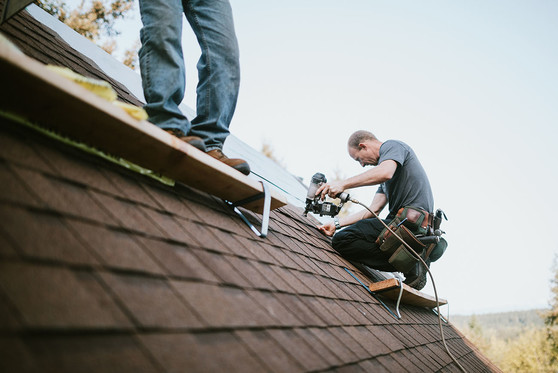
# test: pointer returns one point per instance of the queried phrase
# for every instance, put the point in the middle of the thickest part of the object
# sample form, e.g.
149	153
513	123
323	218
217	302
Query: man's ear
362	145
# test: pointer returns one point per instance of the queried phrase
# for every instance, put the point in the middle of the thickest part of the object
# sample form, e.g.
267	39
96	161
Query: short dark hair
360	136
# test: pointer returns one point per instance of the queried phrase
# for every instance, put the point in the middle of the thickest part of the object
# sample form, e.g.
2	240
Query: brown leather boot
195	141
236	163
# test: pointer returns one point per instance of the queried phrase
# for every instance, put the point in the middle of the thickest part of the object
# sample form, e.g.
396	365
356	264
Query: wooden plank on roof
390	289
31	90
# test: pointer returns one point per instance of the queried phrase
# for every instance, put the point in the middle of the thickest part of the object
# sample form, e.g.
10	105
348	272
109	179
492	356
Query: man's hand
332	189
327	229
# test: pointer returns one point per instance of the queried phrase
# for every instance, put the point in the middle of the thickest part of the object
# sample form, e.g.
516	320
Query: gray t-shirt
409	185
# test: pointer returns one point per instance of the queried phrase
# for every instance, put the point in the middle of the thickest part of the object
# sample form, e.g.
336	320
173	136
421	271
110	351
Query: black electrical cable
431	278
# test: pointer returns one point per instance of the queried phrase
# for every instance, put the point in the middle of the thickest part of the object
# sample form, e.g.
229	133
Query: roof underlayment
103	269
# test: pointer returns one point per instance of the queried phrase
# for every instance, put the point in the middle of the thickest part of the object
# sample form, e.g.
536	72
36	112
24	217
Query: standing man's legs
163	71
162	63
218	69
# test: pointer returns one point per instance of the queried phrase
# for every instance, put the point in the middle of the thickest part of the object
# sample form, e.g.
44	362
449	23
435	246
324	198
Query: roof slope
102	269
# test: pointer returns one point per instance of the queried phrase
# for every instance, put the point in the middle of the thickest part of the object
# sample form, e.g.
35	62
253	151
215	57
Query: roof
103	269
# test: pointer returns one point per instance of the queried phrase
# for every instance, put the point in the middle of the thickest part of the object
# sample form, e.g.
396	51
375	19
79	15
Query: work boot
195	141
416	278
236	163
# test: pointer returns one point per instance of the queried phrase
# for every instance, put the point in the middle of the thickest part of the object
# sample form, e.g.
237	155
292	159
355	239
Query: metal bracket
397	316
265	213
398	297
446	318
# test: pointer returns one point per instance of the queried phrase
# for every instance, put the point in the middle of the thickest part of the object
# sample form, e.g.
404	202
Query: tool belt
408	222
415	219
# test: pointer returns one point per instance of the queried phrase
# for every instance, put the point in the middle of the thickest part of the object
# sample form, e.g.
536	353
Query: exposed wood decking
390	289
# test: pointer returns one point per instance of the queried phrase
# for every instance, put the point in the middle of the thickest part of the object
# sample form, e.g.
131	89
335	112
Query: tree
551	317
529	352
95	20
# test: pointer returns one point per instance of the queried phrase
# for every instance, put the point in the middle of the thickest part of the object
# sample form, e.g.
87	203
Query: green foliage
518	341
528	350
94	19
551	317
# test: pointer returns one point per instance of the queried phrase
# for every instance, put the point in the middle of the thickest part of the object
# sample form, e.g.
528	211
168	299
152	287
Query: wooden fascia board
390	289
31	90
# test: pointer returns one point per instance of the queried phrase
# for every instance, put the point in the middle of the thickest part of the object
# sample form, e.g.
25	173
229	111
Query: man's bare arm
377	175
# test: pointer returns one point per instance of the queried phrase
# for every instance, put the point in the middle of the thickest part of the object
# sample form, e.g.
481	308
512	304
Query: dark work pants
357	243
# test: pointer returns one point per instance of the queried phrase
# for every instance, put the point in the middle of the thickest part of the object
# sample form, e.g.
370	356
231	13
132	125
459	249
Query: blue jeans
163	71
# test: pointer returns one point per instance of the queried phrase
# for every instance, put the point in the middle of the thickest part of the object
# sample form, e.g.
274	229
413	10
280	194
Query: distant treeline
530	318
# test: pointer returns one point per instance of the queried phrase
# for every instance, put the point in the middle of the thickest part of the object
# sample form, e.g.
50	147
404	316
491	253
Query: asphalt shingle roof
105	270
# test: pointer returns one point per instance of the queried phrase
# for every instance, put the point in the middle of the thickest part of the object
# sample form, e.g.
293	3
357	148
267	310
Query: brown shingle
407	358
203	237
207	352
222	306
291	278
127	184
171	202
151	302
116	249
50	238
316	283
391	364
65	163
9	316
269	272
253	250
275	358
298	348
128	215
329	340
300	308
63	197
369	341
223	269
178	260
248	270
282	314
209	216
386	337
348	340
15	149
15	357
12	190
7	249
58	298
89	353
338	312
319	314
328	356
171	227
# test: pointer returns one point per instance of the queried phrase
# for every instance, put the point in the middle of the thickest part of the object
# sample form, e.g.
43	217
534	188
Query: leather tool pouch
415	219
400	257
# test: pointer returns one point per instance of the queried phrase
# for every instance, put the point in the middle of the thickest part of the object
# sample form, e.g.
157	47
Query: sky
471	86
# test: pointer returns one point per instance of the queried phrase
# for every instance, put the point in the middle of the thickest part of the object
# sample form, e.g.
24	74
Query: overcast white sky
472	86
